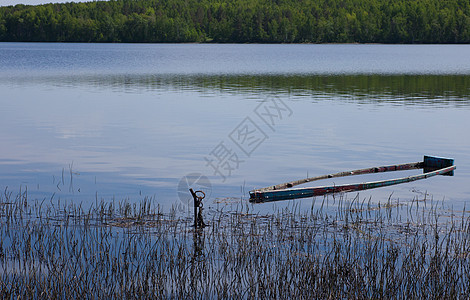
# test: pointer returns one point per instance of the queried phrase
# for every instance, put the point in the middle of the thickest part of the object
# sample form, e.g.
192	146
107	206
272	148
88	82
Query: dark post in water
198	220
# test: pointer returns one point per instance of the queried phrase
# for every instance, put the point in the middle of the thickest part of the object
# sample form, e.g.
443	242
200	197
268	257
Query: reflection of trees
399	89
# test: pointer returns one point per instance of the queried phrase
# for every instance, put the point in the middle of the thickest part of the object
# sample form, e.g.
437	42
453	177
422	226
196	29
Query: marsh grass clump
337	249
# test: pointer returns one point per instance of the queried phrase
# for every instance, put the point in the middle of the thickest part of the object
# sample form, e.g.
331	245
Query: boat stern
432	163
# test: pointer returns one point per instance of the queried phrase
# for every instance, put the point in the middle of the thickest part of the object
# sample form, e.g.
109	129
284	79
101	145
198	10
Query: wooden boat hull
432	166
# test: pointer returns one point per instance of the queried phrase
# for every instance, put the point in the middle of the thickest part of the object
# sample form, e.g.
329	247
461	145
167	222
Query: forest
240	21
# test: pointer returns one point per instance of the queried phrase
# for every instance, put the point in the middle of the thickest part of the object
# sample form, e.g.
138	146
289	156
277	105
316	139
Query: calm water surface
121	121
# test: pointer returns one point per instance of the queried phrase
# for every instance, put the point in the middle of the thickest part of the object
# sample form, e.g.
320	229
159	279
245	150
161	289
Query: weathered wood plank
401	167
435	165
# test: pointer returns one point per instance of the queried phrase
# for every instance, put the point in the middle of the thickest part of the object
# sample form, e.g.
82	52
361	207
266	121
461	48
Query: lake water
82	122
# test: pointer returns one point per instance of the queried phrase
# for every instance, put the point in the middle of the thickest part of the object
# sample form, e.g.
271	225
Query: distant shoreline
240	21
234	43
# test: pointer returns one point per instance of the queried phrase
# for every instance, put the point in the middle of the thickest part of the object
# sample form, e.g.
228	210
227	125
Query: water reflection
133	135
417	90
134	119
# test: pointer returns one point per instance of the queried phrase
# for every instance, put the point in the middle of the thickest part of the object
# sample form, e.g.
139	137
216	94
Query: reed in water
339	248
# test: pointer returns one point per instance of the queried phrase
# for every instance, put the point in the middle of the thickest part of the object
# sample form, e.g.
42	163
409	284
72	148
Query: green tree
276	21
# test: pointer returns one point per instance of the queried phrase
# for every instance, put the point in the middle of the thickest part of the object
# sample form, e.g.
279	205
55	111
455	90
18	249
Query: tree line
240	21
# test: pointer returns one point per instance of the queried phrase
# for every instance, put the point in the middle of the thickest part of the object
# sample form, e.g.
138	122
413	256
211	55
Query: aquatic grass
340	248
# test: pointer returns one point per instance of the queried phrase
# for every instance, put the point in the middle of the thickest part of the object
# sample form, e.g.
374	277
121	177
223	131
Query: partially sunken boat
431	166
